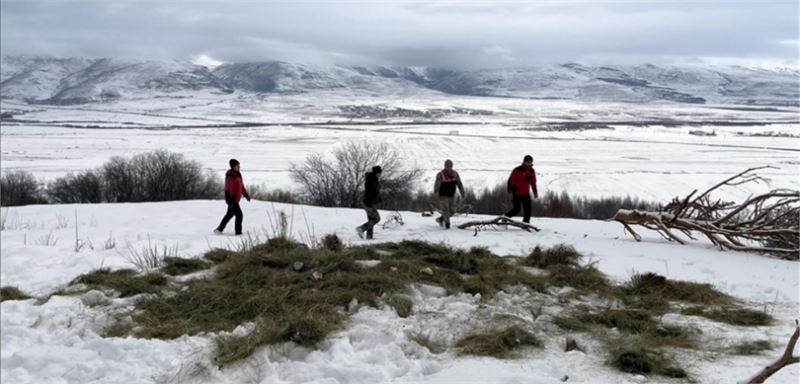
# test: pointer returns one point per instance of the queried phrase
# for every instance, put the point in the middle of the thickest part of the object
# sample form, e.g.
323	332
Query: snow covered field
58	342
642	150
656	161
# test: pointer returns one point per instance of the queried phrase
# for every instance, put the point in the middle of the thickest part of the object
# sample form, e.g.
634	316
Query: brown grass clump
501	344
403	305
12	293
654	285
277	286
559	255
435	347
749	348
637	326
646	362
175	266
218	255
734	316
285	291
126	281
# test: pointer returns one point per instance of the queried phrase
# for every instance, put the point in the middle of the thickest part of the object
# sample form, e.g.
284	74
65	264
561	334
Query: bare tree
764	223
340	183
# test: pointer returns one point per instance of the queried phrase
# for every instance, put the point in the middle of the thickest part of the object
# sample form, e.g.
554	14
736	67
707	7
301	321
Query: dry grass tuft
501	344
12	293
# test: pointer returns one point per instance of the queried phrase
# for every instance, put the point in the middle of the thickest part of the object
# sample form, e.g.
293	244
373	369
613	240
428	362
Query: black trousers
233	210
525	202
372	218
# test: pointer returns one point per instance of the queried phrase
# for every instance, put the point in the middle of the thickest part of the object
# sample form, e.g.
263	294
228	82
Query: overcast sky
458	34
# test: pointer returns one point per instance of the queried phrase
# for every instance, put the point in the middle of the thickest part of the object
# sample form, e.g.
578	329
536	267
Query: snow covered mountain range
79	80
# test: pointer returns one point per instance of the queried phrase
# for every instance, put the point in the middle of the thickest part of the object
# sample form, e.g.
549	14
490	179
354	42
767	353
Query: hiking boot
360	232
440	221
447	224
217	231
369	236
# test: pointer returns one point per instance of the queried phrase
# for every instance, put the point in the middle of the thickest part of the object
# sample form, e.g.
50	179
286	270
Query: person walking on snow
520	182
372	196
447	180
234	190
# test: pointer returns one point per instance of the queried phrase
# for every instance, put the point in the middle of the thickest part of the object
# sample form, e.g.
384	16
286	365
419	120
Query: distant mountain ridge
77	80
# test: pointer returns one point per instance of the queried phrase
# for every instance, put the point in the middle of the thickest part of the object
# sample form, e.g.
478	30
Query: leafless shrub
157	176
20	188
340	182
110	242
11	220
61	221
83	243
245	242
310	236
279	223
47	240
150	256
84	187
119	180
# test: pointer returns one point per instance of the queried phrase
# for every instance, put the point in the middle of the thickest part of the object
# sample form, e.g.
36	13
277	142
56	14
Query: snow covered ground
58	341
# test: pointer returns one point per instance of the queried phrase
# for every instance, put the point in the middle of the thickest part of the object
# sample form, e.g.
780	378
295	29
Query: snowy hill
70	81
76	81
275	76
35	78
61	340
627	84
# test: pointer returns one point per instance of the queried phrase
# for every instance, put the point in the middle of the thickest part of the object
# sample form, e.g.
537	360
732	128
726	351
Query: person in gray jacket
447	181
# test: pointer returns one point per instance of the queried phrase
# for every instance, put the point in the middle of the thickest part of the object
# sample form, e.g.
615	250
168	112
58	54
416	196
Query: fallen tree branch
497	221
764	223
786	359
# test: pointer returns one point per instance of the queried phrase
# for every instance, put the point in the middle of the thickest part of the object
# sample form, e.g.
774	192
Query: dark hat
233	162
377	169
527	158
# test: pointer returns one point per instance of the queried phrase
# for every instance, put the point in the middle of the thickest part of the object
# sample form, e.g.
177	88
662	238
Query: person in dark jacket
447	181
234	190
521	181
372	196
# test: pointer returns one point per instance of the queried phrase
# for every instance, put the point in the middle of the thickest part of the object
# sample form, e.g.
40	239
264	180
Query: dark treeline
495	201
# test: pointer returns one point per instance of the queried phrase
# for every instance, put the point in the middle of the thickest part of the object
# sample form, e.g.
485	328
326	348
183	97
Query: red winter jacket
522	179
234	186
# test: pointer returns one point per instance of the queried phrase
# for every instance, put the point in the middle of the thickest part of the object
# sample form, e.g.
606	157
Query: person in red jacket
234	190
520	183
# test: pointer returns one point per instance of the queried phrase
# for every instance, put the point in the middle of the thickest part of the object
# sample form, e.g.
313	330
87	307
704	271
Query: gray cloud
452	34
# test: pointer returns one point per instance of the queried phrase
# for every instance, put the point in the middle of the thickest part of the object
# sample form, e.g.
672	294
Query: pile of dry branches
764	223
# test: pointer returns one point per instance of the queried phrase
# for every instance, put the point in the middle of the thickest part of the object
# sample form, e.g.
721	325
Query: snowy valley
647	131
